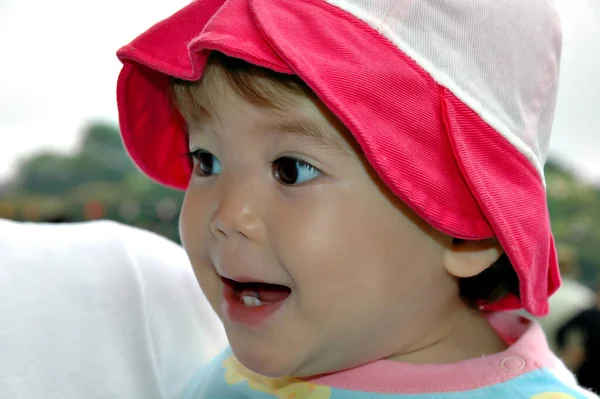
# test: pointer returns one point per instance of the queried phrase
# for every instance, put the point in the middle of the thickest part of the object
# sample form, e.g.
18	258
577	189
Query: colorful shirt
527	370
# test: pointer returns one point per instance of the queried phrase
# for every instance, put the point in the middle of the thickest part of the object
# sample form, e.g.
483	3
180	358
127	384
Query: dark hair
257	85
493	284
264	87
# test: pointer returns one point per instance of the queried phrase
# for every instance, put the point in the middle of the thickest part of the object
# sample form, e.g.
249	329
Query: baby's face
311	264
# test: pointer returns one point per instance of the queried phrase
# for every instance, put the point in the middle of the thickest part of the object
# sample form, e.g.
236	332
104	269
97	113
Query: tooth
251	301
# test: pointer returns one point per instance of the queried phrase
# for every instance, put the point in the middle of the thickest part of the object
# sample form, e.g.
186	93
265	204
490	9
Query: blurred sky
58	71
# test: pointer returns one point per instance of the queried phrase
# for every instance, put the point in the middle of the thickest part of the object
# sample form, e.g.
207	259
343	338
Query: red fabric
435	153
508	189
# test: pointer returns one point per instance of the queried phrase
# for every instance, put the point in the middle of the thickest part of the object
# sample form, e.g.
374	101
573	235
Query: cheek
196	238
350	253
189	229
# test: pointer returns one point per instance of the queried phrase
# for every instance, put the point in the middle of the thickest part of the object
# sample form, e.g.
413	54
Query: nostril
231	220
219	233
217	230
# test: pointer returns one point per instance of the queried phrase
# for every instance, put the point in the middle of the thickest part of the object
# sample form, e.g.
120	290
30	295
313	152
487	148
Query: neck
467	334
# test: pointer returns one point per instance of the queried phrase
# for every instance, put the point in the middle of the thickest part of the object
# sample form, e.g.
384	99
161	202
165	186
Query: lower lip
237	312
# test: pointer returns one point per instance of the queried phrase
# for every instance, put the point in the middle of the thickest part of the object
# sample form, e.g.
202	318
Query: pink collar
528	351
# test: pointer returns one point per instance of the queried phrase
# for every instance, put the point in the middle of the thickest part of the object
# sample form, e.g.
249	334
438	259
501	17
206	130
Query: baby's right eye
205	163
291	171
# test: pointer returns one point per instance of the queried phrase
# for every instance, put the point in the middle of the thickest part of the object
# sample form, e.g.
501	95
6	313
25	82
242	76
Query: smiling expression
310	262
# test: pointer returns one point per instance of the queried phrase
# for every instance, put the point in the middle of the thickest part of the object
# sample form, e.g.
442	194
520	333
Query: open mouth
252	303
253	294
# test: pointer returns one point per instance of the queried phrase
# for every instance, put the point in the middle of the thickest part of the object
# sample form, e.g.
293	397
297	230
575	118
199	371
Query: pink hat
452	102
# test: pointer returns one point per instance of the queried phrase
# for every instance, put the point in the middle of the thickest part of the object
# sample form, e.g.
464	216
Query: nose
238	211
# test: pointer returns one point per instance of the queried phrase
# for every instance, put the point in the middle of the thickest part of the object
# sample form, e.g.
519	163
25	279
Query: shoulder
68	235
548	383
211	380
123	259
129	286
96	243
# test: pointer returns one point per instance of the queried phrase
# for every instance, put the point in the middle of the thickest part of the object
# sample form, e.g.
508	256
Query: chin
270	363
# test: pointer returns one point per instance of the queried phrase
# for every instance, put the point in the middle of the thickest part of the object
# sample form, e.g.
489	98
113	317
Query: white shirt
99	310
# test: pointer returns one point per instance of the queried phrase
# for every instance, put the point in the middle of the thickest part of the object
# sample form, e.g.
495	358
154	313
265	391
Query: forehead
218	97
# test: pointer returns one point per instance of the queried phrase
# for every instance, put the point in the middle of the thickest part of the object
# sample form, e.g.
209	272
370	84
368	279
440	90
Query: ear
469	258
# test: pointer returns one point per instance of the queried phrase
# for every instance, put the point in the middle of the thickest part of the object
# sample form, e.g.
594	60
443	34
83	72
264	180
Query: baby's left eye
291	171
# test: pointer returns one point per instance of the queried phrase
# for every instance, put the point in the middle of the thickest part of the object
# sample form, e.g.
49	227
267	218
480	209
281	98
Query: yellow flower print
282	388
553	395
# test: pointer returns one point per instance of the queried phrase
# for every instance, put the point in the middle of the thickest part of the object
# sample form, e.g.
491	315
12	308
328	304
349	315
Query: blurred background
61	156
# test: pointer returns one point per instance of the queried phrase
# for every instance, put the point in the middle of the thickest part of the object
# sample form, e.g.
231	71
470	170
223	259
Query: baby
364	190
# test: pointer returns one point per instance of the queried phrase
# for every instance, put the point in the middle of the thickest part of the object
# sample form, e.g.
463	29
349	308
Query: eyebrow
198	113
303	128
311	130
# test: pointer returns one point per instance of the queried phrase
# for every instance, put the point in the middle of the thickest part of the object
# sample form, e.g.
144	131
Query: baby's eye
291	171
205	163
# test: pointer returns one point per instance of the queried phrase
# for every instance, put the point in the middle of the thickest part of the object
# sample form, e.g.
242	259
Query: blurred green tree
100	158
575	213
99	178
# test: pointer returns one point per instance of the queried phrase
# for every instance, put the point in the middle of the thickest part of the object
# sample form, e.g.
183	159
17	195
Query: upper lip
228	273
246	279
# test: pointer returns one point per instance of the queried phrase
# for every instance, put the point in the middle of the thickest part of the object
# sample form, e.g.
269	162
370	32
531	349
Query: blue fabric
220	379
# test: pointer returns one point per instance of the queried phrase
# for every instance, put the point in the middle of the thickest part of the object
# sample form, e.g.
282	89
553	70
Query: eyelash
194	157
300	165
